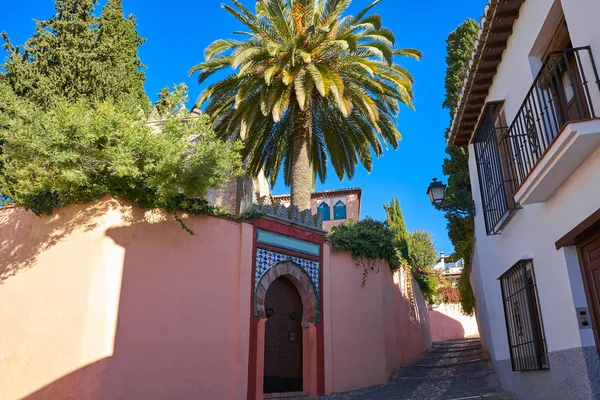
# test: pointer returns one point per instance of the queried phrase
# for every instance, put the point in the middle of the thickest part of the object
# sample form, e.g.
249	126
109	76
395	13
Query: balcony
557	127
554	131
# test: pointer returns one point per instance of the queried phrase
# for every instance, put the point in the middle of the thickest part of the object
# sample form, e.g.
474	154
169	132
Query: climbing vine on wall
368	241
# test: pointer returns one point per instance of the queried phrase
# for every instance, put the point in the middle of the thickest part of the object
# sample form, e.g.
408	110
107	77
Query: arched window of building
325	211
339	210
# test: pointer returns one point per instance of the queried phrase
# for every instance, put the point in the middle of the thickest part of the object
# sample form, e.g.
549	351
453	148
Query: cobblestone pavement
449	370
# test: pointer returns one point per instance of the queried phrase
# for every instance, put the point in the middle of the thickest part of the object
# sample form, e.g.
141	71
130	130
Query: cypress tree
58	60
395	221
75	55
118	43
458	200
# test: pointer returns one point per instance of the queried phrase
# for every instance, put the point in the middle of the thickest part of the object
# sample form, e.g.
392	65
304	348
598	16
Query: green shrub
78	152
369	241
467	297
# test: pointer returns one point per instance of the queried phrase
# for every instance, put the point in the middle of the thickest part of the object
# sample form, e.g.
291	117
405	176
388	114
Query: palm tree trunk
301	171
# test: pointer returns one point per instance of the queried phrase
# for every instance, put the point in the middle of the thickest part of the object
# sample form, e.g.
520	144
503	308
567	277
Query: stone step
445	364
455	348
288	395
466	371
451	354
461	343
460	340
490	396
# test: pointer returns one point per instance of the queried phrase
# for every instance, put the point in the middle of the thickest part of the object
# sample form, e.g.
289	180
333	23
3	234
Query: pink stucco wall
110	302
105	302
372	329
448	322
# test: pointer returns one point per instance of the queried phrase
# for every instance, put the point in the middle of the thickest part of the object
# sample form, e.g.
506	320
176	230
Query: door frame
594	309
270	337
313	331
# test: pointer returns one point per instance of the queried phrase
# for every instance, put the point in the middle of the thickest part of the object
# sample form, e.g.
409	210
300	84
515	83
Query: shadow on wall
23	241
444	328
414	329
177	318
85	383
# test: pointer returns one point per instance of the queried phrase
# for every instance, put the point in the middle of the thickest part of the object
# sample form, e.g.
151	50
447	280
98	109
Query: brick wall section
226	197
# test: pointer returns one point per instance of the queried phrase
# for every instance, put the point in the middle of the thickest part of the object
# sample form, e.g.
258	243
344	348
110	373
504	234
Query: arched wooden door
283	338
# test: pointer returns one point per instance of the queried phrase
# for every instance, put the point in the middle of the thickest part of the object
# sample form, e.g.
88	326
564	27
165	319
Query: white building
529	113
449	268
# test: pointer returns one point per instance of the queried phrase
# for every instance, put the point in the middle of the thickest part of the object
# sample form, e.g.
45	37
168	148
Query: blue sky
177	32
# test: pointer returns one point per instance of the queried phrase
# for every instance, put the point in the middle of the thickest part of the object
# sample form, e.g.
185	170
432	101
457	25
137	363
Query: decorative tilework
288	242
266	259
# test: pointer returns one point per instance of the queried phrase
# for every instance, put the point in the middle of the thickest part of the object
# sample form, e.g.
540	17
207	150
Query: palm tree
310	86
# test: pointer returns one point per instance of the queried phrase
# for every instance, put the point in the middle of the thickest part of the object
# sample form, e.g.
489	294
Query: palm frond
306	56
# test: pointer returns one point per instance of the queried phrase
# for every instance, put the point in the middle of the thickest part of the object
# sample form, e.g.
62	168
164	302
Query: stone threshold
287	395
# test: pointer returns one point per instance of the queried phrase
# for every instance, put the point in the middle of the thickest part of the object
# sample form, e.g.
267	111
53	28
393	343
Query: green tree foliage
310	87
458	201
416	250
76	152
368	241
459	46
72	127
75	55
118	43
395	221
421	260
422	250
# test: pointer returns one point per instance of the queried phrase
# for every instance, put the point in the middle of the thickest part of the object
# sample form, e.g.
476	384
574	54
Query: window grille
325	211
495	168
561	93
339	210
524	326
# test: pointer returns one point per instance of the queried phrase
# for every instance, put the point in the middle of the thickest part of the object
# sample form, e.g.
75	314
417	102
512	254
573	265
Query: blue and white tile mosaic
265	260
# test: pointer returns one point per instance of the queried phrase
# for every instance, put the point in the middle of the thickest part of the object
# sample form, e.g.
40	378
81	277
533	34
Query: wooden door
589	253
577	107
569	96
283	338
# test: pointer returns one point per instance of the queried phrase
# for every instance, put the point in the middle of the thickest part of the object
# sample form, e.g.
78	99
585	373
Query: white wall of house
532	233
534	229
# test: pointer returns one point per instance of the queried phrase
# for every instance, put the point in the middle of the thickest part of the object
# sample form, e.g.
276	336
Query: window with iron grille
526	339
495	167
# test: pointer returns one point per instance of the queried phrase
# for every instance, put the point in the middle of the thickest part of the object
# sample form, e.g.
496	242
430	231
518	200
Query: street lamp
435	191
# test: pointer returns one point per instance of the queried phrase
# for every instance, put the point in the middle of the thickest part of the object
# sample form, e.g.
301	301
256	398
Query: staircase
463	362
451	370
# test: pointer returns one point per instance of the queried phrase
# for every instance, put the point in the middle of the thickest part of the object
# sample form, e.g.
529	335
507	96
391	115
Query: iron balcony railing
563	91
566	89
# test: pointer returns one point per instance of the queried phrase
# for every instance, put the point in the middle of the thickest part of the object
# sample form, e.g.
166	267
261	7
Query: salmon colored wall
448	322
109	302
361	328
98	303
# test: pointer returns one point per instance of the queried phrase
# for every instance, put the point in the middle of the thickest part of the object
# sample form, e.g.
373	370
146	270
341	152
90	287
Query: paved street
450	370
